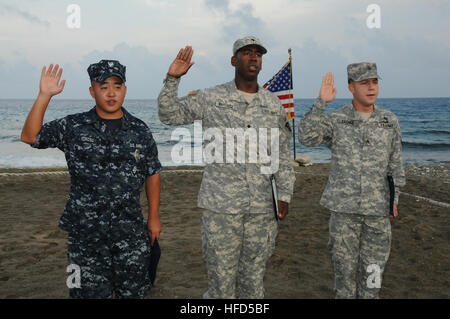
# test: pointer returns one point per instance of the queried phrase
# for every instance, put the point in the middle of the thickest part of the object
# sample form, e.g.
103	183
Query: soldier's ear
234	60
91	90
351	88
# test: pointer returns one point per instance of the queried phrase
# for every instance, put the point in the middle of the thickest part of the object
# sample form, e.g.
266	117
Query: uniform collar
235	95
91	117
353	113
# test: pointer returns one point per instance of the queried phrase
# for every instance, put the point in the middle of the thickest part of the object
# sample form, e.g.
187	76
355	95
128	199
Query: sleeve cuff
37	142
319	105
284	198
154	171
397	195
171	80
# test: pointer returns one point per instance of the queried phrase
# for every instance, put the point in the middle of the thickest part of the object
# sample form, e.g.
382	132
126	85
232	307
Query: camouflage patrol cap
249	40
99	72
362	71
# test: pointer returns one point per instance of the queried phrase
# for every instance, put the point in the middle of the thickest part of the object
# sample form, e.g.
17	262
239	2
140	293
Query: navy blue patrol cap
99	72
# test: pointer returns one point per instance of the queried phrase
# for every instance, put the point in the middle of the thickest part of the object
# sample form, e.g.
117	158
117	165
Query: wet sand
33	249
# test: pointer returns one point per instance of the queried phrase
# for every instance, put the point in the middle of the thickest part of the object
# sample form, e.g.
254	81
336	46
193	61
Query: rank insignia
136	155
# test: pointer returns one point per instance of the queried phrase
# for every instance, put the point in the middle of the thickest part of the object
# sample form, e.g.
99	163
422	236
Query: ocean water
425	124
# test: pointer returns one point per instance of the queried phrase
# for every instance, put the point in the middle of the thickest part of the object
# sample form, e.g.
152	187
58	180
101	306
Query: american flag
281	85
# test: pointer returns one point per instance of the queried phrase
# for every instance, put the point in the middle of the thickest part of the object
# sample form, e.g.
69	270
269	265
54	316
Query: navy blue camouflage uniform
108	237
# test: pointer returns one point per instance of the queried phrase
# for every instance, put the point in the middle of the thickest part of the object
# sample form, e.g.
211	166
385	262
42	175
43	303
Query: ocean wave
169	143
10	138
435	146
404	121
437	131
425	132
10	161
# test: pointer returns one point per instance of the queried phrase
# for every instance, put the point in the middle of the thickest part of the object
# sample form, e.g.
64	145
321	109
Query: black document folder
391	194
273	185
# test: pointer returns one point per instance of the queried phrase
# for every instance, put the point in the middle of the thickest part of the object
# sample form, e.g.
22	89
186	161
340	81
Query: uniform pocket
269	118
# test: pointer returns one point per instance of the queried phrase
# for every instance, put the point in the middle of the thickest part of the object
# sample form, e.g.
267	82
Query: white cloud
413	39
7	10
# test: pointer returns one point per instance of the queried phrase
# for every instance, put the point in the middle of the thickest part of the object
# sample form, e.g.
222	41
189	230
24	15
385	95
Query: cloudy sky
411	48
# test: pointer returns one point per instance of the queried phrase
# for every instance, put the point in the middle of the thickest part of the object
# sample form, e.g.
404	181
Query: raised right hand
327	91
49	81
182	62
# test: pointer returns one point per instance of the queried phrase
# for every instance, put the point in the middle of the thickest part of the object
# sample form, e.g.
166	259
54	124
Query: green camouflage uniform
364	153
236	197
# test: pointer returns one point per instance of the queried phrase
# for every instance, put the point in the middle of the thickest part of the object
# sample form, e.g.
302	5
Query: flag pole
290	92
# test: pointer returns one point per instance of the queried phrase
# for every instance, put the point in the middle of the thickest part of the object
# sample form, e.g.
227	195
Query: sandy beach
33	248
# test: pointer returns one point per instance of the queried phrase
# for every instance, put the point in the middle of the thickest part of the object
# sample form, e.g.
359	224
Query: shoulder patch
193	92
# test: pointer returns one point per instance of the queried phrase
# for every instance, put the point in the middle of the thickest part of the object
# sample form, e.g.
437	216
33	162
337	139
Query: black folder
391	194
273	185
